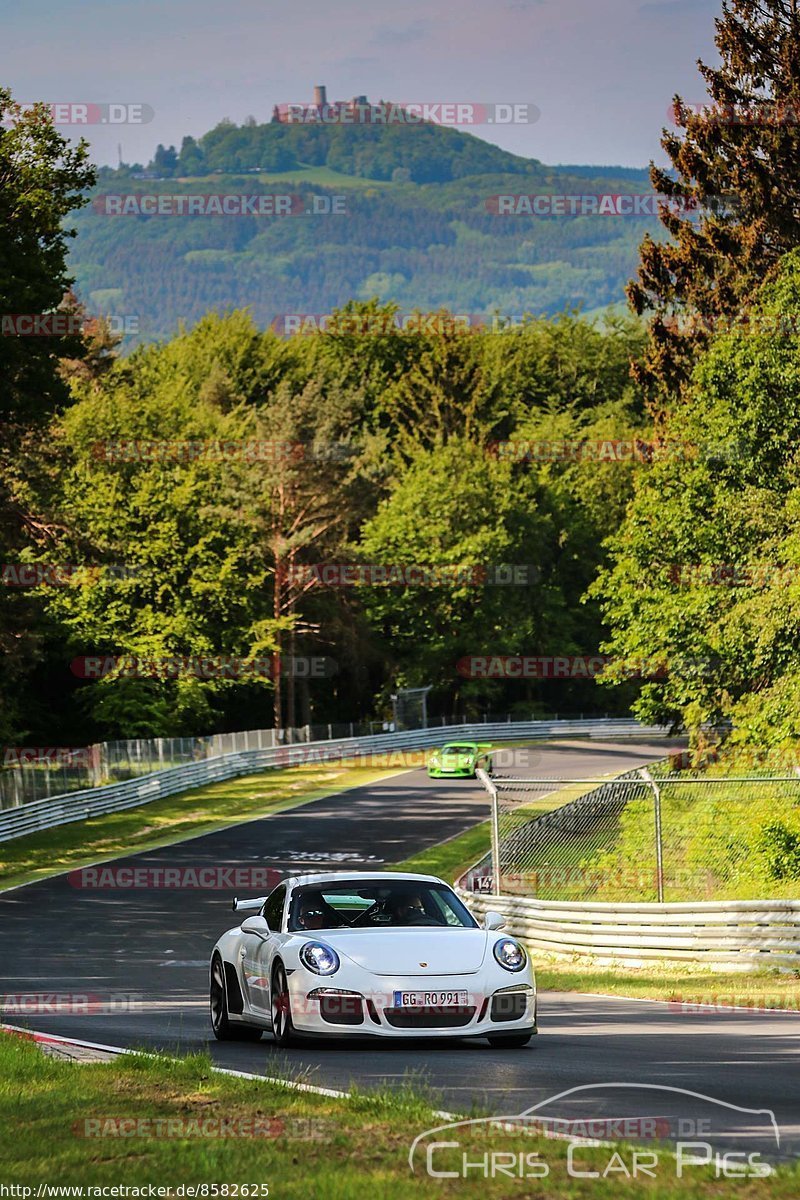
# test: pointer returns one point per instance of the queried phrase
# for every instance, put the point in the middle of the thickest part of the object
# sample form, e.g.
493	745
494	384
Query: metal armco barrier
735	934
94	802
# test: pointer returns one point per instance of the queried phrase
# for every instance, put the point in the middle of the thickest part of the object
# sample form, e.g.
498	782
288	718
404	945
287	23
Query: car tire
510	1041
224	1029
281	1008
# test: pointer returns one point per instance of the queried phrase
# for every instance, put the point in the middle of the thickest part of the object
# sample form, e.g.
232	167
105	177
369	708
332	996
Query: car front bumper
366	1008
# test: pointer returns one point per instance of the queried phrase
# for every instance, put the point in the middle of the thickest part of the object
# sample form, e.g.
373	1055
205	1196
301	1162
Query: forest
238	524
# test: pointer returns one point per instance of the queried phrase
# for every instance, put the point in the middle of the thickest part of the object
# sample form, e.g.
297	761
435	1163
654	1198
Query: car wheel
281	1008
509	1041
224	1030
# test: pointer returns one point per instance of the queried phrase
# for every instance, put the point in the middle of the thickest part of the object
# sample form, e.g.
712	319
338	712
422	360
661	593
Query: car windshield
456	748
378	904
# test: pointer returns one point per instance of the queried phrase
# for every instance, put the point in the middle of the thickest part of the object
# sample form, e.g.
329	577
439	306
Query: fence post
648	778
496	880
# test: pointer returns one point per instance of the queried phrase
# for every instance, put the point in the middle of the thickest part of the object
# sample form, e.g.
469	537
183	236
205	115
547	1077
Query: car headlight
319	958
510	954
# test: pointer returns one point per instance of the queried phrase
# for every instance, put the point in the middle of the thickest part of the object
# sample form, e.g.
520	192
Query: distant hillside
418	228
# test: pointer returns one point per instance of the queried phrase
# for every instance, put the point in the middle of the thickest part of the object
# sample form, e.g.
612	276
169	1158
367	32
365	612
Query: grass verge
451	858
680	983
173	819
138	1121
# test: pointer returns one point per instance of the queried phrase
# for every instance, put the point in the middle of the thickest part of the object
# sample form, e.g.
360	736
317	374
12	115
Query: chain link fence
40	772
648	835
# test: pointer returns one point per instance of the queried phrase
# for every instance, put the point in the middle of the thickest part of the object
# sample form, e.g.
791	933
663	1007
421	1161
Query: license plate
430	999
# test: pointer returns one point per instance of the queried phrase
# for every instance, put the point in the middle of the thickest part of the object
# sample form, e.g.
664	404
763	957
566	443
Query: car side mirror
494	920
257	925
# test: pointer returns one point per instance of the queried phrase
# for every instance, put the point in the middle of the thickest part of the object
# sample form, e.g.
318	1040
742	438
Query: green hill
418	227
423	153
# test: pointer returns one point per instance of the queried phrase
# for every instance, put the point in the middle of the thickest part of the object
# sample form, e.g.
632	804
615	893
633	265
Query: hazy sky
602	72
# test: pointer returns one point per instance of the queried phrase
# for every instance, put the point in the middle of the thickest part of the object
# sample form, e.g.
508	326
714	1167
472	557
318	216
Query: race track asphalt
140	955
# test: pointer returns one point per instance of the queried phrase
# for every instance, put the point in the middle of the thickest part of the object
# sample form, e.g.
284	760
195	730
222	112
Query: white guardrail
95	802
734	934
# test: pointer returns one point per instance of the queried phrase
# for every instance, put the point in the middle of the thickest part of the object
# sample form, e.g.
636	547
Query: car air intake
429	1017
341	1010
509	1006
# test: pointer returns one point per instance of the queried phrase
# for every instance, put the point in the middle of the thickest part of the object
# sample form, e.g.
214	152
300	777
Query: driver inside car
311	915
408	910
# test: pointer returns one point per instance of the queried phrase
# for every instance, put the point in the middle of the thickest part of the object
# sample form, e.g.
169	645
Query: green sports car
458	760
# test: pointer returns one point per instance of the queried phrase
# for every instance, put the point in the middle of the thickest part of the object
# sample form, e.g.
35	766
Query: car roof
358	877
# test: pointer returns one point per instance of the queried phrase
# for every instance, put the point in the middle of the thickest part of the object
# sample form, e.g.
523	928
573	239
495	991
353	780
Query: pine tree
733	205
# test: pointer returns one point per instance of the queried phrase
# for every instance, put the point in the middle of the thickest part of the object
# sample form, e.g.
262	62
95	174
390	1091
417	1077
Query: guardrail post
648	778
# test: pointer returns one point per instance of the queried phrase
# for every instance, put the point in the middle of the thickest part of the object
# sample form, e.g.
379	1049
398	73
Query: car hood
402	951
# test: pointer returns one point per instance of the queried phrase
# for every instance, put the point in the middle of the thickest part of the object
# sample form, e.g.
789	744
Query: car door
258	950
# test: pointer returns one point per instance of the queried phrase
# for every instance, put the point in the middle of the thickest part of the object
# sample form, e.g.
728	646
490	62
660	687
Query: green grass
305	1145
452	858
730	840
173	819
319	176
680	983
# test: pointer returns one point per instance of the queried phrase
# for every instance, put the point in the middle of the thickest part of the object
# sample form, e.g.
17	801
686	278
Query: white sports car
386	955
